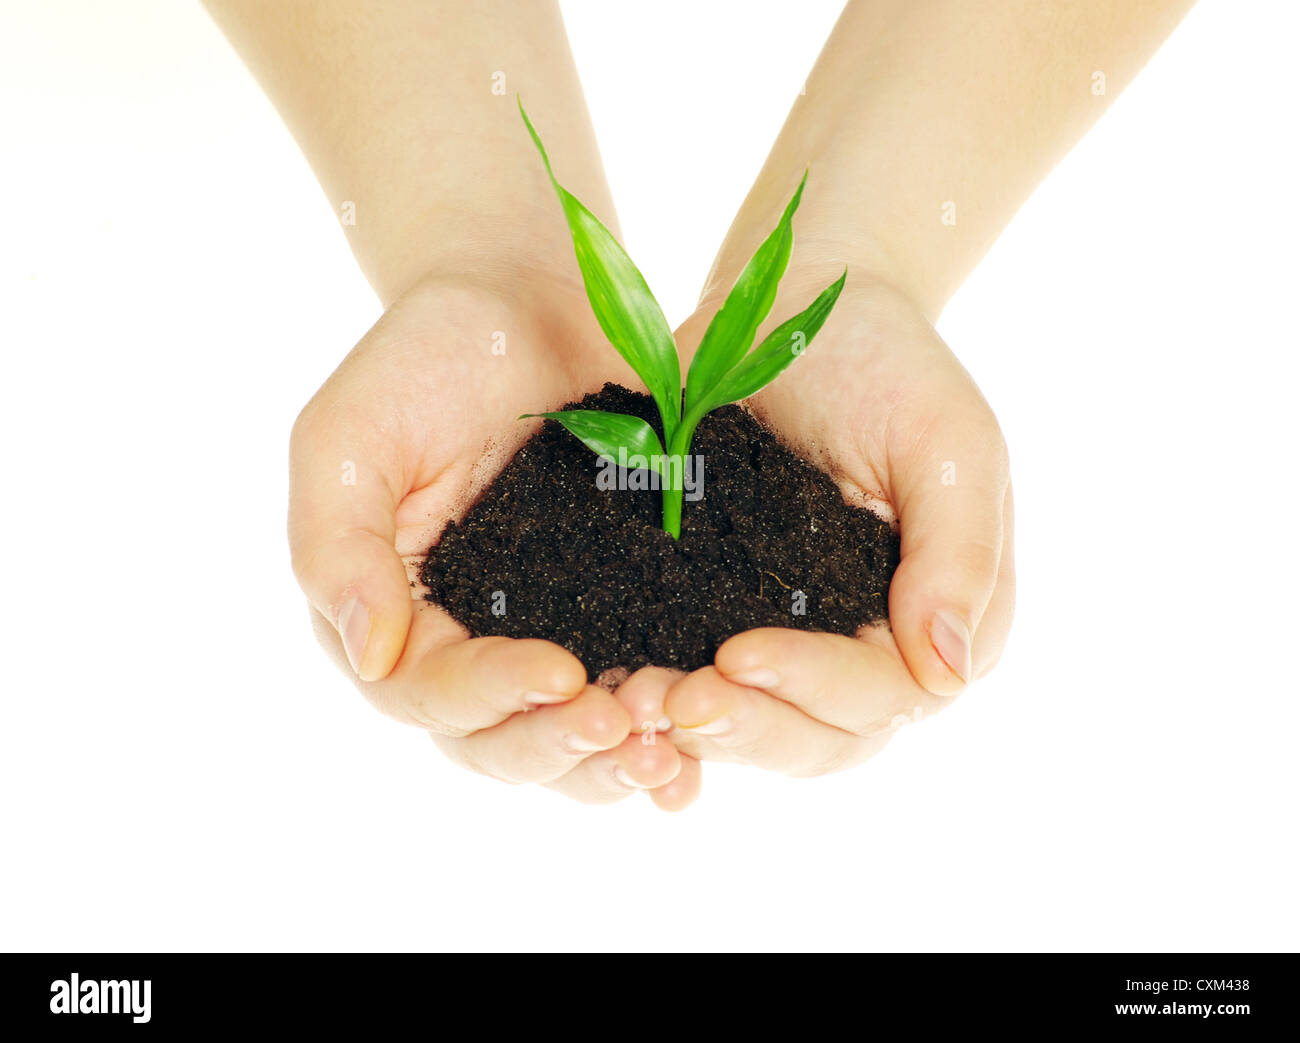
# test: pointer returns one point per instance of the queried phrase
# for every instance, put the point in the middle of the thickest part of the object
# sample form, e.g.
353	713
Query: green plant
724	370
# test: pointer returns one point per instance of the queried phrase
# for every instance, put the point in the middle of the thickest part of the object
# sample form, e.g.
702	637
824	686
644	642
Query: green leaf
606	433
732	329
780	348
621	300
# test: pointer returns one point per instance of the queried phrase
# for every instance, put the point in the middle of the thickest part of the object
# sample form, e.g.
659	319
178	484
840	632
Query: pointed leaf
606	433
731	331
780	348
621	300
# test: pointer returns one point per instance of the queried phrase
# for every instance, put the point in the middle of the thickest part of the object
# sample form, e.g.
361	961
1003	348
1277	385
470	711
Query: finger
635	765
948	492
451	685
544	744
684	790
742	724
642	695
341	531
991	637
858	685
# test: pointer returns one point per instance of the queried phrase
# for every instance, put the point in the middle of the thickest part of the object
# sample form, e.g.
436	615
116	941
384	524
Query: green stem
673	512
679	445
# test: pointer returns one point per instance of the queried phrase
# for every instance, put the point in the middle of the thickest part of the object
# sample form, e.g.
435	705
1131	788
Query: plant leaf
732	329
606	433
621	300
780	348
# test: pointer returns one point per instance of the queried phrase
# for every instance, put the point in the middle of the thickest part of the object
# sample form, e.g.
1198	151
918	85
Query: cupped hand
879	402
403	436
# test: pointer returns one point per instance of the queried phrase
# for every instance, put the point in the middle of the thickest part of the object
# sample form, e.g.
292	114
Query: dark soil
593	571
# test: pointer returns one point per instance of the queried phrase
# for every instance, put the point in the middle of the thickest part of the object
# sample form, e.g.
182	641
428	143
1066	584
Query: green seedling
724	369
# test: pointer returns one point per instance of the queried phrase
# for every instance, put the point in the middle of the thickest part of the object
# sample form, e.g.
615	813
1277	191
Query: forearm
394	106
927	123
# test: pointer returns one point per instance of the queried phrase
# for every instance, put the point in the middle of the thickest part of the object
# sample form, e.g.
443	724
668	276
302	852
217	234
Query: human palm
404	436
881	404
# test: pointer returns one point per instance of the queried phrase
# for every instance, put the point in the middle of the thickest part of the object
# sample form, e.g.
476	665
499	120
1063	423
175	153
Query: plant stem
678	446
672	511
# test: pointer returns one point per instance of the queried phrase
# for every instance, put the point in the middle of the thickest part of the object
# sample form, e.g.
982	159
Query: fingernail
354	627
627	779
951	639
755	678
720	726
577	744
544	698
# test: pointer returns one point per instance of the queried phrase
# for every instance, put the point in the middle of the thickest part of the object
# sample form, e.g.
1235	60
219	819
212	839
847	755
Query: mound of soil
546	553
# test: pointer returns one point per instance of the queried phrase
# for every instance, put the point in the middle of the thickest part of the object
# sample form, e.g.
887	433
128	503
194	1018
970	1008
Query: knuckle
741	744
826	762
529	762
977	558
304	427
473	760
986	434
423	716
303	559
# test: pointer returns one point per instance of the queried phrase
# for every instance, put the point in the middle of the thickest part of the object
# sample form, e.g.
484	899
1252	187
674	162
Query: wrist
816	261
501	251
832	230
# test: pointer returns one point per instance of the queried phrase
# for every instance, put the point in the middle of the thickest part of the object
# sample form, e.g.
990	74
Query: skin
519	711
1002	90
379	96
896	411
421	414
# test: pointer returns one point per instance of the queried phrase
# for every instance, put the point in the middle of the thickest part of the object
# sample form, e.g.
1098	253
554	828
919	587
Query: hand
410	428
880	402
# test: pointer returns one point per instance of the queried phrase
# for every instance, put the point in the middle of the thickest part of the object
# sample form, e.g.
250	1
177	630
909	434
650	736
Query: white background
181	768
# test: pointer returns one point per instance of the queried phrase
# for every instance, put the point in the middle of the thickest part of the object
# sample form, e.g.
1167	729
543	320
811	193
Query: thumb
949	496
341	538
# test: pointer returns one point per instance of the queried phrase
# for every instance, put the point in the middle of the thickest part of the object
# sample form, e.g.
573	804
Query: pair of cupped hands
421	416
